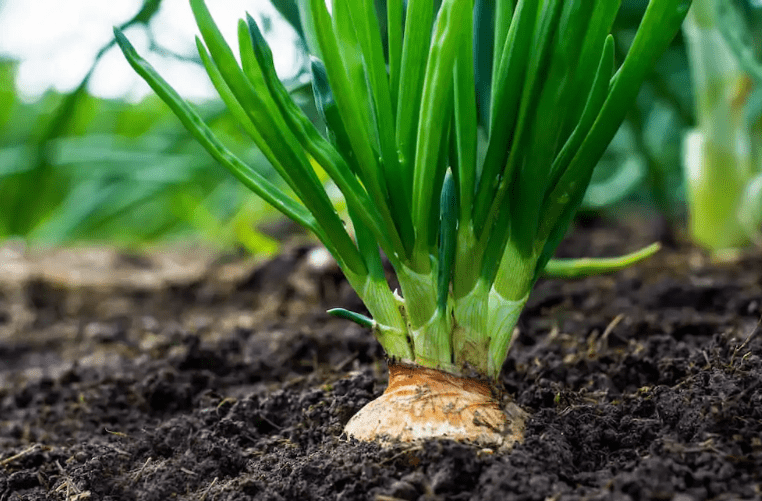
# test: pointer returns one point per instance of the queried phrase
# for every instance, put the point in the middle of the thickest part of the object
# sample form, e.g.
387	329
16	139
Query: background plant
723	154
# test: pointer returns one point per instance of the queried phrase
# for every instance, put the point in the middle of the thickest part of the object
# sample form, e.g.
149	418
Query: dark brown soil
183	375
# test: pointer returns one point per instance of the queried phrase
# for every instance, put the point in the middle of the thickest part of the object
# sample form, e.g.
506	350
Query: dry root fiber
422	403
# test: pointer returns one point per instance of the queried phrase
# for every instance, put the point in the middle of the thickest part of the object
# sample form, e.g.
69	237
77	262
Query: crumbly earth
188	375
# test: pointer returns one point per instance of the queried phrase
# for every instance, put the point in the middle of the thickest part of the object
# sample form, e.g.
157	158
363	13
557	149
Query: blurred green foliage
642	164
74	167
723	153
645	163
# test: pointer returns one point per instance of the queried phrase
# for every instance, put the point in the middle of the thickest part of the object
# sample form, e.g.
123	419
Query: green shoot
574	268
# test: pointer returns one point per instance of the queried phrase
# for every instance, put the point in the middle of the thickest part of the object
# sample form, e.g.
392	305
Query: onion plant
723	154
469	217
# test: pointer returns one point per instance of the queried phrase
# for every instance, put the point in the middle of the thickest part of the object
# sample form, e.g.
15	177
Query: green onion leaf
349	106
434	123
448	235
203	134
394	42
465	119
415	51
313	143
505	107
585	267
661	20
357	318
467	224
251	92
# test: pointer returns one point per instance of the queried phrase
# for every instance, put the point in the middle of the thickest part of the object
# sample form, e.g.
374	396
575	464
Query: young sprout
468	216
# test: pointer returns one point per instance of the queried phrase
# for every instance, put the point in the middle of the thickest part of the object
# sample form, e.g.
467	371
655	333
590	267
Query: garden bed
189	375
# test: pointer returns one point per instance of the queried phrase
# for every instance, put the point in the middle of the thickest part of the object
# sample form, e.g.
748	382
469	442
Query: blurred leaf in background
722	153
75	167
674	105
642	164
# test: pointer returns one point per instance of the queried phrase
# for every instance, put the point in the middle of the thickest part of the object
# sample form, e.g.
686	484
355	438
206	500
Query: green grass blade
196	126
75	213
434	122
585	267
415	51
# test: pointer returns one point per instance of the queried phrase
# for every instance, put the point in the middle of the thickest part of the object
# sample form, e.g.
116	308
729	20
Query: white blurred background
56	42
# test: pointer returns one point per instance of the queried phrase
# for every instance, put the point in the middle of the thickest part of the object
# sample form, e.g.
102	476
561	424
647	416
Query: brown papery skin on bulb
422	403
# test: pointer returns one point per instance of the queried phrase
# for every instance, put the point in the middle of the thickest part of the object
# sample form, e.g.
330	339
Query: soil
188	375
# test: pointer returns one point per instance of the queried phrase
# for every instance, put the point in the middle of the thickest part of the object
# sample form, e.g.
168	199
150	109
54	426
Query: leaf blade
196	126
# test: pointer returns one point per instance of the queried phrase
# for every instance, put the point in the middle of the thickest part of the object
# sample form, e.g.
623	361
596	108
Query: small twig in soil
595	344
410	449
67	483
609	328
139	473
706	357
118	450
263	418
21	454
226	400
206	492
743	345
43	480
341	365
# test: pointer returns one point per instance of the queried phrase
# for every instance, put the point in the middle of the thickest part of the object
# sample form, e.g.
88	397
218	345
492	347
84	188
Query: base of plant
422	403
